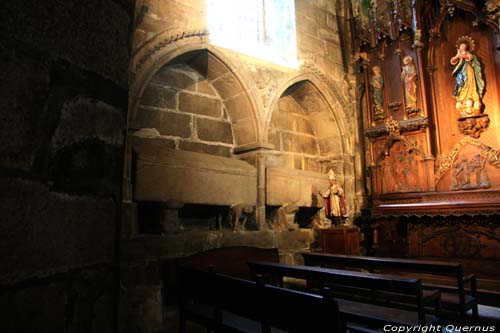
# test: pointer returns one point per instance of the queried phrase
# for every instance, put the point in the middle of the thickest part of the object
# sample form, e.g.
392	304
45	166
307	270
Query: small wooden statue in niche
409	77
377	86
469	84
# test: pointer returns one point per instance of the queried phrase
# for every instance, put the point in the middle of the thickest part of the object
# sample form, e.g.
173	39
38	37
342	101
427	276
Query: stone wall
186	110
63	111
292	134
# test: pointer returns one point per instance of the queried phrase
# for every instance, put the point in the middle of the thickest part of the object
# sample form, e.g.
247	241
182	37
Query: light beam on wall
260	28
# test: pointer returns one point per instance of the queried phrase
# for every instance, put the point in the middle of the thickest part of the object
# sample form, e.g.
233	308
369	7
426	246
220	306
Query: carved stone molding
159	42
334	86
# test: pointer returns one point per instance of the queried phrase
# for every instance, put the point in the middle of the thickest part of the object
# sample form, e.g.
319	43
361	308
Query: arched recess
223	84
321	111
232	86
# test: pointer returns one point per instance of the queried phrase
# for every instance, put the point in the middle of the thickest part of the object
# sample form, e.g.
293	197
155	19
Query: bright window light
261	28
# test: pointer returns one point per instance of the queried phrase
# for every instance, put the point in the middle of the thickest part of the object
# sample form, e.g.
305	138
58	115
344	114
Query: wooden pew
365	298
227	304
231	260
455	297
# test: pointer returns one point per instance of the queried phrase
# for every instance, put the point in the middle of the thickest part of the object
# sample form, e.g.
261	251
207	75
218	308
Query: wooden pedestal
341	240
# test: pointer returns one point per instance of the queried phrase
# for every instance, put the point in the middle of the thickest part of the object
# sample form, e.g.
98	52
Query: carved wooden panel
401	165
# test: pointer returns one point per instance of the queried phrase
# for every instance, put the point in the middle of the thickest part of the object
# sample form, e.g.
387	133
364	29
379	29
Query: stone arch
240	97
327	119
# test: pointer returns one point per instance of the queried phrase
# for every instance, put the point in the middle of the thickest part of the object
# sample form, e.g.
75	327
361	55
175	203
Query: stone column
256	154
170	221
261	191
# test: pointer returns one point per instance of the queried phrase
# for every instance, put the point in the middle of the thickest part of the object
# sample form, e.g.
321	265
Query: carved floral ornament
492	9
394	128
378	19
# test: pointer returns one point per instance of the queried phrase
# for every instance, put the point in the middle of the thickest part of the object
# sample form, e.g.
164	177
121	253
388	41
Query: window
261	28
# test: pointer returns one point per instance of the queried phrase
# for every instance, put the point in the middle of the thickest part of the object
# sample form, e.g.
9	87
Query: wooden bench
456	297
366	298
227	304
231	260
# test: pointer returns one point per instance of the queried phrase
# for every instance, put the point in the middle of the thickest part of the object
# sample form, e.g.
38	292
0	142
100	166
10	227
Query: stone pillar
261	192
256	154
170	222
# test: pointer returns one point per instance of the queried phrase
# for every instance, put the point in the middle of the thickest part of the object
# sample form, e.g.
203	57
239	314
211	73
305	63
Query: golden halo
467	40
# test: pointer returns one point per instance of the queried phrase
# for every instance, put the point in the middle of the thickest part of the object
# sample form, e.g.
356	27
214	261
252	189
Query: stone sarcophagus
298	187
163	174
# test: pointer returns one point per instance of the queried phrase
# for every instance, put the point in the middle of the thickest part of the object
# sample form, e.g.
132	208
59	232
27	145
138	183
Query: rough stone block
307	26
331	21
299	143
302	125
244	132
311	164
160	97
87	167
179	77
334	53
204	87
53	232
24	88
262	239
84	118
274	138
144	307
282	120
297	162
153	143
204	148
286	258
174	175
288	142
227	86
306	145
167	123
311	45
331	145
208	66
294	240
239	107
190	242
35	309
141	274
202	105
305	8
280	191
312	102
213	130
57	28
323	125
330	36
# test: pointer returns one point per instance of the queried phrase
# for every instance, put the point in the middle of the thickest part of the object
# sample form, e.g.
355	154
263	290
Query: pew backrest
270	306
428	268
231	260
359	286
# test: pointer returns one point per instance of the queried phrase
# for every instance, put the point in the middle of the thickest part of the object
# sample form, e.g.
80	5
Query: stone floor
489	321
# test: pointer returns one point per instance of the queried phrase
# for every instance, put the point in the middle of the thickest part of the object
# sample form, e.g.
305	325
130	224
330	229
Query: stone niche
305	135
